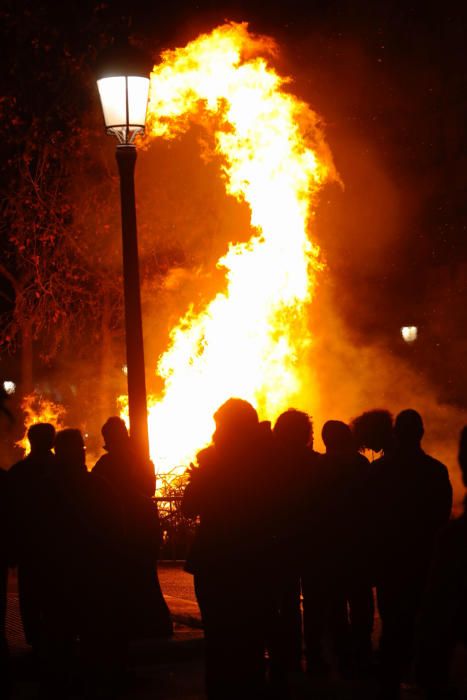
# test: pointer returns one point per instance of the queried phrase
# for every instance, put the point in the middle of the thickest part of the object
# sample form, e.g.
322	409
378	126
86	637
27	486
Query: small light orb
125	370
409	333
9	387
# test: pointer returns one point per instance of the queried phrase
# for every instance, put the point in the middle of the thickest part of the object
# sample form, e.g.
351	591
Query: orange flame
38	409
250	340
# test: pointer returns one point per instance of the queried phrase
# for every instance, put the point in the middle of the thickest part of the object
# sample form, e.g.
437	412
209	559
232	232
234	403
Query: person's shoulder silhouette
342	460
297	463
114	464
26	481
412	496
229	487
40	460
122	466
443	616
409	431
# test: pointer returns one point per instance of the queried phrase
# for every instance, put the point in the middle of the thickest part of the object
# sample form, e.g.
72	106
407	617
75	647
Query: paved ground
173	670
176	582
168	670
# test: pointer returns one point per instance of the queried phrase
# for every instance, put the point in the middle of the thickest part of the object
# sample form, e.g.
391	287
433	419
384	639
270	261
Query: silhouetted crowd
85	545
289	547
285	530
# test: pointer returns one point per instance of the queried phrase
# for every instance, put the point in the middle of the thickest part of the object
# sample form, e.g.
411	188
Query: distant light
125	370
409	333
9	387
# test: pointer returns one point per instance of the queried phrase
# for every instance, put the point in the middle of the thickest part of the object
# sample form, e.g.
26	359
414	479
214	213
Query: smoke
378	274
354	376
367	232
352	367
357	360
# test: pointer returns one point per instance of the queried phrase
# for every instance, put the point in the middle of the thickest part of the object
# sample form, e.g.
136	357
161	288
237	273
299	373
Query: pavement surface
163	669
173	669
178	590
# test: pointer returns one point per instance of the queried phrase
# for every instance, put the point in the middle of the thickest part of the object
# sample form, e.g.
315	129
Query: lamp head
123	84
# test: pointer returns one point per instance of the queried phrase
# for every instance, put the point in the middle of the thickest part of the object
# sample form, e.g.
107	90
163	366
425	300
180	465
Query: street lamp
123	85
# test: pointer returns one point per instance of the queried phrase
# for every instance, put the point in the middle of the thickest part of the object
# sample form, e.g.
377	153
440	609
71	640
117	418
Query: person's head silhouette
373	430
408	429
70	450
41	437
115	434
236	422
293	429
337	437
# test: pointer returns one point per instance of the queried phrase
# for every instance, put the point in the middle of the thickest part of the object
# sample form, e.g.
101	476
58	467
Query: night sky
389	80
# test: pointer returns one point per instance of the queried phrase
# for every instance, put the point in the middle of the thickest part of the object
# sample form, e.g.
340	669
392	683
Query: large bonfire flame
250	340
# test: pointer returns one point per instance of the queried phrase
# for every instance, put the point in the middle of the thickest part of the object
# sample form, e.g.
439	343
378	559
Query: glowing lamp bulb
123	84
124	101
409	333
9	387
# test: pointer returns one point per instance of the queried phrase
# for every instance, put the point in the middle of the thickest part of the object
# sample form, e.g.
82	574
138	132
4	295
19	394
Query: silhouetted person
373	430
442	620
134	483
232	554
121	466
412	498
337	586
4	557
81	545
297	465
24	479
3	407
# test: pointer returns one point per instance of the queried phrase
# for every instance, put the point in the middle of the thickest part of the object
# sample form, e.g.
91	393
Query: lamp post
123	85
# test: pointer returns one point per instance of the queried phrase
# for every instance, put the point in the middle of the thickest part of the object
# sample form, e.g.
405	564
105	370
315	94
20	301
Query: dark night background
389	79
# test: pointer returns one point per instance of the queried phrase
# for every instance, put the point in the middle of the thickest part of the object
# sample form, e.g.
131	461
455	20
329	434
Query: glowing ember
37	409
9	387
250	340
